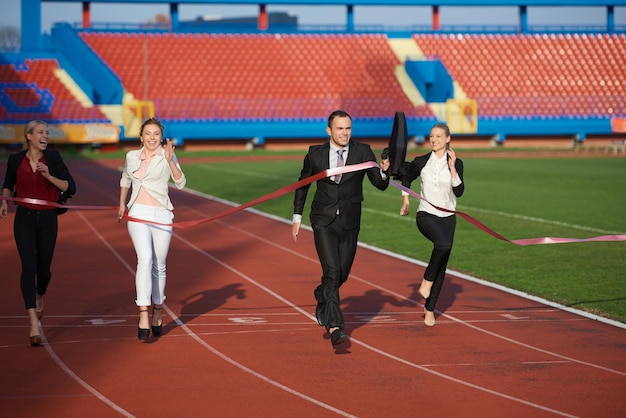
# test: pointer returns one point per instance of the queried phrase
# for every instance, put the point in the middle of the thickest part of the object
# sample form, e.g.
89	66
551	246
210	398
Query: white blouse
436	186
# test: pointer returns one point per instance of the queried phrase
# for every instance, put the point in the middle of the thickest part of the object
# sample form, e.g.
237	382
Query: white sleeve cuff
296	219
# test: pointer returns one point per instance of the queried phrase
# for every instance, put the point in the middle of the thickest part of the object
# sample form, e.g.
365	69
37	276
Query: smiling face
439	138
37	137
151	137
340	131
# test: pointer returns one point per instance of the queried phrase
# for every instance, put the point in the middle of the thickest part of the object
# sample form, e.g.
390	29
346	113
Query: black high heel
143	333
157	329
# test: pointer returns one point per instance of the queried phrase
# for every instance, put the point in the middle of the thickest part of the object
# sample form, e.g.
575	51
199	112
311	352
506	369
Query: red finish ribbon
291	187
273	195
322	174
521	242
41	202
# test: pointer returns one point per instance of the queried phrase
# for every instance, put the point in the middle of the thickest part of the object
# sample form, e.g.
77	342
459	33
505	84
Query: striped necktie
340	163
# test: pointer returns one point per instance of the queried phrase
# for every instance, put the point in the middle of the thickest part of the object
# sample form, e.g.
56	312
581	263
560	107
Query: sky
332	15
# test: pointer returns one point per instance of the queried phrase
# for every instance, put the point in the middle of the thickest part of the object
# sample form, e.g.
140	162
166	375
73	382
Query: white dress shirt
436	186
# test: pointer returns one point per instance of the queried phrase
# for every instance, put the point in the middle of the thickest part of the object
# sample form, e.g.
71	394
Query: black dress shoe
319	314
338	337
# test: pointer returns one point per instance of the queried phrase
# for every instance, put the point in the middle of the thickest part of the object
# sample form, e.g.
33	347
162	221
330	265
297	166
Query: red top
34	186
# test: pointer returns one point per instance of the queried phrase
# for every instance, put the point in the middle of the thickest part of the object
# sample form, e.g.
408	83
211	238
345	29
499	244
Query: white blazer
155	181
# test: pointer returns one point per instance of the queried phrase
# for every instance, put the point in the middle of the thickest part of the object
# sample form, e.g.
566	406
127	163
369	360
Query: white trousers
152	243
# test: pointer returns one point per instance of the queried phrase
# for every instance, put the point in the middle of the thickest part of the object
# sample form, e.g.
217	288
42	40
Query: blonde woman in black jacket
36	173
441	174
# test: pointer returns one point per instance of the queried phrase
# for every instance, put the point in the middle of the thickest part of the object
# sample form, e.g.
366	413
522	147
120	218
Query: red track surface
240	338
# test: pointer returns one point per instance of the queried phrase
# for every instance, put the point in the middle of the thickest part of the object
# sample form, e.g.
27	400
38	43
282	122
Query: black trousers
336	247
440	231
35	235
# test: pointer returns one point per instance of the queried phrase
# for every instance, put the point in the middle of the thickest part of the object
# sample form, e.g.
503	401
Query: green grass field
518	198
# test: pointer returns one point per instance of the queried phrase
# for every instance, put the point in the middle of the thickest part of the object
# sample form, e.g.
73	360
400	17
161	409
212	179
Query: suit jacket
345	196
155	181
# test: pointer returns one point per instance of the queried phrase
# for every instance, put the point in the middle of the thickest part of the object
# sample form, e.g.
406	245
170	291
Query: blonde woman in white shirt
441	174
147	173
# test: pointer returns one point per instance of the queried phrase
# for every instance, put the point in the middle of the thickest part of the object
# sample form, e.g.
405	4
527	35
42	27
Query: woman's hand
3	209
405	209
43	169
452	163
120	212
451	158
168	149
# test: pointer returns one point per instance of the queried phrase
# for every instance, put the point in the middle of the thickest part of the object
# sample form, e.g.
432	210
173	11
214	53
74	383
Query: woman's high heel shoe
143	333
157	329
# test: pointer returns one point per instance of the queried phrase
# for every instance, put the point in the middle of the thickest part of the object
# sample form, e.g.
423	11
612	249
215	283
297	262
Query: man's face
340	131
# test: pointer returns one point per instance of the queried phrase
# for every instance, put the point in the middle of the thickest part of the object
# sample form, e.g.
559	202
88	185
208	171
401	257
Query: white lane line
501	288
391	214
189	332
354	340
459	275
538	220
453	318
394	214
69	371
80	381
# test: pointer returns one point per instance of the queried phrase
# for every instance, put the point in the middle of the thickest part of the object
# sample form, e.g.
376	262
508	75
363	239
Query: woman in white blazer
147	173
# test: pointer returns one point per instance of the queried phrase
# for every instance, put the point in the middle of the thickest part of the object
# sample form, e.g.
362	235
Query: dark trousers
35	235
440	231
336	248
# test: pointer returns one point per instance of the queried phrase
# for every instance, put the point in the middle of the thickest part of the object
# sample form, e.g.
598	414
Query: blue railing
392	30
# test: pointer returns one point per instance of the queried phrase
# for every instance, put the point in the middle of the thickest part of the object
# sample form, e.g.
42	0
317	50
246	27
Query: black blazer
345	196
55	164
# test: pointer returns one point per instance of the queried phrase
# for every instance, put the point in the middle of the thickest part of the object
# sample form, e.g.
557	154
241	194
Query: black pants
35	234
336	248
440	231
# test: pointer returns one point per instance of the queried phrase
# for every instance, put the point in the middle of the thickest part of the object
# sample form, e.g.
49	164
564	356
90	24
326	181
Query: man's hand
295	228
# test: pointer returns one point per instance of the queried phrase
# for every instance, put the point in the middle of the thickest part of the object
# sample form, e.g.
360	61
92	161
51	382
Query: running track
240	339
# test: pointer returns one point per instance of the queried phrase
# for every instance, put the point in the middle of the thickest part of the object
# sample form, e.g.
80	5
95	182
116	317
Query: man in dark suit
336	213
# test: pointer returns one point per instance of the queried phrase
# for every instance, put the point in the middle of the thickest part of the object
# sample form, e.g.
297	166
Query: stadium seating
265	77
30	90
257	76
536	75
